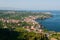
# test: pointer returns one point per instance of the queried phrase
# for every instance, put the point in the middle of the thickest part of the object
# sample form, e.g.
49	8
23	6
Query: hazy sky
30	4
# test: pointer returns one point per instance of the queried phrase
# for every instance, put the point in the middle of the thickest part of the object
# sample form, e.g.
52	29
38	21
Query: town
25	23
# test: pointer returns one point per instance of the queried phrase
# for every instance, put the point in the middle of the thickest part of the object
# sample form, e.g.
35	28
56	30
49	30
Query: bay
53	23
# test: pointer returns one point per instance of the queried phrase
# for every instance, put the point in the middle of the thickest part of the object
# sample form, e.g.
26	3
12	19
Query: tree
1	24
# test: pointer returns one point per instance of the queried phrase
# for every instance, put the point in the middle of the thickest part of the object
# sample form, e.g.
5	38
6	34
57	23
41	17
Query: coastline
33	20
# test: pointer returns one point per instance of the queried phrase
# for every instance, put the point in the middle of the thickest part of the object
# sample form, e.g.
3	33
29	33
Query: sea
53	23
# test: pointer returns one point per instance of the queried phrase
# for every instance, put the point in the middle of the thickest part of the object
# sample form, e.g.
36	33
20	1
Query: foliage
19	33
21	14
1	24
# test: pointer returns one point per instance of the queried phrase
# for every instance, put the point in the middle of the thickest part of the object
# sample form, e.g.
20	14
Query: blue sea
53	23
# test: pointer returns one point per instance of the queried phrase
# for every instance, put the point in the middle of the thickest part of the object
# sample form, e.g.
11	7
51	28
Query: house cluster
35	27
9	20
30	19
16	22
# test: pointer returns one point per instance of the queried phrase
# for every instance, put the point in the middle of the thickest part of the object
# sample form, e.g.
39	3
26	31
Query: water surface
53	23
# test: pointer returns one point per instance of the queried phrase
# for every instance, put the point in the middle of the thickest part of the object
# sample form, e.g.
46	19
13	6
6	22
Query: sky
30	4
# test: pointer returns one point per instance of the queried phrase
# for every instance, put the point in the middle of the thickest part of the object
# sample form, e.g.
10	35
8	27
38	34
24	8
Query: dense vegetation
19	33
21	14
